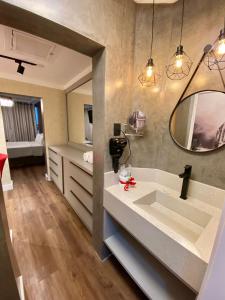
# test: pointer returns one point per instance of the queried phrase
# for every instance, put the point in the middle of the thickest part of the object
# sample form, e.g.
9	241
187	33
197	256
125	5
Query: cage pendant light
149	77
215	59
180	63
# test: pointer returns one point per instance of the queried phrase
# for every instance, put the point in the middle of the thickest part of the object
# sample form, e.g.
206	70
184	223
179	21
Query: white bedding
23	149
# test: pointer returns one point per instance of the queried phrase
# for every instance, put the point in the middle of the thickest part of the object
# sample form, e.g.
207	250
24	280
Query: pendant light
180	63
149	77
215	59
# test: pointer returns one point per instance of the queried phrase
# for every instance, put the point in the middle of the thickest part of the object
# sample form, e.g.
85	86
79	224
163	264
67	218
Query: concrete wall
54	106
75	108
203	20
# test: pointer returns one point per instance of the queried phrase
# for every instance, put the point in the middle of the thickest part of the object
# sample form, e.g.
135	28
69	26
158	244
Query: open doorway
23	126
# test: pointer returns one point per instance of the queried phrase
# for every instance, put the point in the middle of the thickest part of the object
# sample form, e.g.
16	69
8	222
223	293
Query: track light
20	68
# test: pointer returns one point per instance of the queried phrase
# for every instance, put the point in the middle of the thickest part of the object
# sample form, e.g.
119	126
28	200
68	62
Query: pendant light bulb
149	77
179	61
221	43
215	58
149	68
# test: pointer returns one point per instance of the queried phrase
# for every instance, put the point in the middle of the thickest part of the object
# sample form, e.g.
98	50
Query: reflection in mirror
198	122
79	108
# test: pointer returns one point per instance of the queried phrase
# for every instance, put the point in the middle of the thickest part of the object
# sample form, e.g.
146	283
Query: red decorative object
3	158
127	184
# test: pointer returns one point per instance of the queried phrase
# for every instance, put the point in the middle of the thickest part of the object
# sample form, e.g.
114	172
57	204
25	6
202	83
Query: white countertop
74	155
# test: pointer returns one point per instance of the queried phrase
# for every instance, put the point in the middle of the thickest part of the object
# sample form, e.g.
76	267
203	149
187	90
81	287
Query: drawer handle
53	151
53	161
84	206
53	172
80	168
71	177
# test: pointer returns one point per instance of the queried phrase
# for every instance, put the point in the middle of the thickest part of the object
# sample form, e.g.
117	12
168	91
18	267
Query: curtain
19	122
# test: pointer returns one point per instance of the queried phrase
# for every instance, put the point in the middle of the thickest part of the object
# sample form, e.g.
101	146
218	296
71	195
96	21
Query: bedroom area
23	126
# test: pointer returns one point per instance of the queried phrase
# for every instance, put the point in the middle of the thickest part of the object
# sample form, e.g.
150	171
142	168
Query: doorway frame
21	19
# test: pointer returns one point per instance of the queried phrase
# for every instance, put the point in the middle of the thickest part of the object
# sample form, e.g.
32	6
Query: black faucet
186	176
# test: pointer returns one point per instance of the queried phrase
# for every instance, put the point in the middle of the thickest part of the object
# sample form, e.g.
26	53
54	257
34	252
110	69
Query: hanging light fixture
149	77
215	59
180	63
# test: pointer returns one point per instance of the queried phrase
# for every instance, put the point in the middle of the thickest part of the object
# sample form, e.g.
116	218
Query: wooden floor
53	248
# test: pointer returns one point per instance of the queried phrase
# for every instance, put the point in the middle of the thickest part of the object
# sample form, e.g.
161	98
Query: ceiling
57	66
156	1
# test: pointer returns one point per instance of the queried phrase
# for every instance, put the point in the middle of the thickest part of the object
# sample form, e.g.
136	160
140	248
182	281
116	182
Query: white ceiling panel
57	66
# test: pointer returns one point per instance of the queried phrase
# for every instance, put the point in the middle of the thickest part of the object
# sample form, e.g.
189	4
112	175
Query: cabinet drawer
80	210
54	166
85	197
54	176
83	178
53	156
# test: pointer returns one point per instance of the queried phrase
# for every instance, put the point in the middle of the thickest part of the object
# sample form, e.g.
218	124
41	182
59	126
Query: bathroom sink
179	233
180	217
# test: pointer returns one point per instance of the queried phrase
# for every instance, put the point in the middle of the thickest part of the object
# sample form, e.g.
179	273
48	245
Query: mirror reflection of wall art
198	121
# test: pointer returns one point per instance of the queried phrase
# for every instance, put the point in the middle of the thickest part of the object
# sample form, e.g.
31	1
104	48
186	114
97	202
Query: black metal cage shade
149	77
179	66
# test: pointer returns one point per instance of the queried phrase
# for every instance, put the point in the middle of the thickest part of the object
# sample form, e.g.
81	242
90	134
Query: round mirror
198	121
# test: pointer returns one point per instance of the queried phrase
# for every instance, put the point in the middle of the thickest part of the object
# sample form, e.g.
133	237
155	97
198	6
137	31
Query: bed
26	153
23	149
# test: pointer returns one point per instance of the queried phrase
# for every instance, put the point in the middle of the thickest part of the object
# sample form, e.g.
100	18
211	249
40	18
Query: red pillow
3	158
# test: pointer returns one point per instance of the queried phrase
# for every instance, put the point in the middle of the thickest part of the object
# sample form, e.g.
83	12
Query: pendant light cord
153	20
182	22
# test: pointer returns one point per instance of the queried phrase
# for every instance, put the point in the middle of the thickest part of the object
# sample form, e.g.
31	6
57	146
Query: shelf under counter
153	278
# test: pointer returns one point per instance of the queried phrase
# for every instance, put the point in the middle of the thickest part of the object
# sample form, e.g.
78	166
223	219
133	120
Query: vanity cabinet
74	178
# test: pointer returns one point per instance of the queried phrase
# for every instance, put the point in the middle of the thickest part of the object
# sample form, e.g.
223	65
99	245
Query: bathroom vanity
74	178
163	241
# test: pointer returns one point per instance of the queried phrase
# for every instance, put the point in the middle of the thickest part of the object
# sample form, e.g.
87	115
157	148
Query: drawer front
54	176
54	166
85	197
80	210
83	178
53	156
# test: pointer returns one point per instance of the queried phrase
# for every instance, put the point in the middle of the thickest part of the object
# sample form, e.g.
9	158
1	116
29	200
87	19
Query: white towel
88	157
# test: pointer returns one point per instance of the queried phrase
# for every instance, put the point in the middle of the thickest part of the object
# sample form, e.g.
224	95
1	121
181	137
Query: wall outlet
117	129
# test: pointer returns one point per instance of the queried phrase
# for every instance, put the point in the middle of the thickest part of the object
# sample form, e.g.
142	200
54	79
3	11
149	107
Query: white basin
177	214
180	233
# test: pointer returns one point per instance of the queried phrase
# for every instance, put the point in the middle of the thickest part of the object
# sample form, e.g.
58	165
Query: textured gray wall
203	20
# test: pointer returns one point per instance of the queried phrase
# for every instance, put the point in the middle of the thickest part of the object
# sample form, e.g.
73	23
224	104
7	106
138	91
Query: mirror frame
73	87
170	123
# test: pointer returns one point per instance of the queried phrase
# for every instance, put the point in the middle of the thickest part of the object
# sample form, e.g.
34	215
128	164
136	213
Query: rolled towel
85	156
88	157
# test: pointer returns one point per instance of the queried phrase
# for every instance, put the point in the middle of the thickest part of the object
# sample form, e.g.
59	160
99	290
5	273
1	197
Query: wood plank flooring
53	248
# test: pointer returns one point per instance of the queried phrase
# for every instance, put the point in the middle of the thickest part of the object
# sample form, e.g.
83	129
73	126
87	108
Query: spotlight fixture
20	68
149	77
215	59
180	63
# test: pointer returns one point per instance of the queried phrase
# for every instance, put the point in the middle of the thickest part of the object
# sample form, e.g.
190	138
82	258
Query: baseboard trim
7	187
